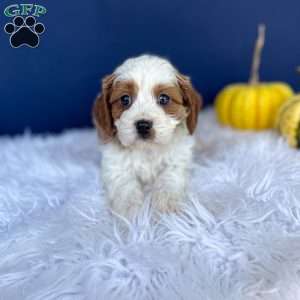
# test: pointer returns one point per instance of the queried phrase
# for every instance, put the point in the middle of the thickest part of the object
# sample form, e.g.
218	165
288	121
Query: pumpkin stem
260	41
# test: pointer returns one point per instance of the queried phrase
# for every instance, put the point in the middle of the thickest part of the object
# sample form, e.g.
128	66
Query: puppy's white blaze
147	72
145	107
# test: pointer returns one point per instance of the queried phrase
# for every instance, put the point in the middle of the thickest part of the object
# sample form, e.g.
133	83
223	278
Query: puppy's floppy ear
192	100
102	116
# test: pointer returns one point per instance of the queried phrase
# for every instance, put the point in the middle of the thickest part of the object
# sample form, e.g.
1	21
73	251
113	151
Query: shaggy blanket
238	237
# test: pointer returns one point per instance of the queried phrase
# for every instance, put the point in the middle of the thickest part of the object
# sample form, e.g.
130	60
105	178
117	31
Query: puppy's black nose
143	128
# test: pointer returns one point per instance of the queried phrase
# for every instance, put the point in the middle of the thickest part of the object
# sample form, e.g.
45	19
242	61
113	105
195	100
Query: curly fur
131	164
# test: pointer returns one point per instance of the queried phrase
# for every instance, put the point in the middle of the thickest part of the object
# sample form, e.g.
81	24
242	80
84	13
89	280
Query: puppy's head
144	101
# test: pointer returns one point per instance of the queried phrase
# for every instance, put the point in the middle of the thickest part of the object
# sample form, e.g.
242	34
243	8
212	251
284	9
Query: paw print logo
24	32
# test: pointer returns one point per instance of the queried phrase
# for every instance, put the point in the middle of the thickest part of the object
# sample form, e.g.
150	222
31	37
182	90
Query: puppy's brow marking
175	107
172	91
123	87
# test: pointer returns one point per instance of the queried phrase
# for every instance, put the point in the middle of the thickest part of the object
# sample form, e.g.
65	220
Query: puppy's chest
148	165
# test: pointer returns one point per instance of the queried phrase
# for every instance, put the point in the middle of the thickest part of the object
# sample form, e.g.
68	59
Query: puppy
146	115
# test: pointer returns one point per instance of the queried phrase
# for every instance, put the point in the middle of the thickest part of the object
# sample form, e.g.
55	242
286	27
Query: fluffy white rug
238	239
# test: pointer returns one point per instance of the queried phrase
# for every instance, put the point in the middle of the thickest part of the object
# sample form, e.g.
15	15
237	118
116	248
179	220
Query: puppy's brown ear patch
102	115
192	100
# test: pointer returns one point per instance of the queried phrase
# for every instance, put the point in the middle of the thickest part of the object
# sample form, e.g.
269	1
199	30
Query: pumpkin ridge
282	99
255	105
286	91
277	99
219	106
257	108
247	110
224	102
267	102
238	103
232	100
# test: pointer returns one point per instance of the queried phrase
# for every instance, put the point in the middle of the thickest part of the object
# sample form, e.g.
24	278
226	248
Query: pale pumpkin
252	105
288	121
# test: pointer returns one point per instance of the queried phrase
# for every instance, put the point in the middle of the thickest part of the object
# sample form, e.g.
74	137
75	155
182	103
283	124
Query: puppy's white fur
131	164
146	71
126	172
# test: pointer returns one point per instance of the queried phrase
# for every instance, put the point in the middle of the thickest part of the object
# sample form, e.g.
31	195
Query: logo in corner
24	29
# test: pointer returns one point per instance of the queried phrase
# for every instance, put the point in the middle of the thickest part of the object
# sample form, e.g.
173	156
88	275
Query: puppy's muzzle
143	128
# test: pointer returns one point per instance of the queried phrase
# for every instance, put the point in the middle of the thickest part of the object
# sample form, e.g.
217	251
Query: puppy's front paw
166	202
128	207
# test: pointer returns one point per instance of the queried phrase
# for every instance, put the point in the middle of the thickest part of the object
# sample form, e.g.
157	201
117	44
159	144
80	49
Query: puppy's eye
163	99
125	100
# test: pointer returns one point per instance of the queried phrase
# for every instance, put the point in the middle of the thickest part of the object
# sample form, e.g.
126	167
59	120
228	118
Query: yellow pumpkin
252	105
288	121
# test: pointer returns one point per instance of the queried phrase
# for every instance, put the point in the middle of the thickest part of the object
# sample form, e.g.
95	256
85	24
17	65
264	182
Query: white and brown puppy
146	115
